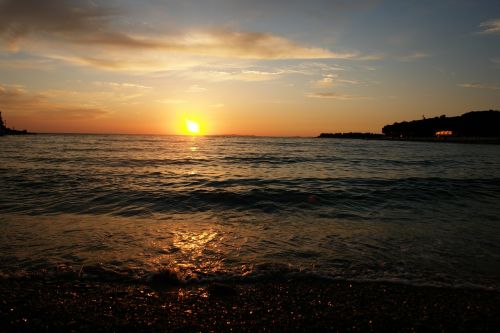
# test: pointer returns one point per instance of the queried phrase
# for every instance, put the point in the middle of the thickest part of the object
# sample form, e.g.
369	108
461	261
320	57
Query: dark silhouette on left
4	130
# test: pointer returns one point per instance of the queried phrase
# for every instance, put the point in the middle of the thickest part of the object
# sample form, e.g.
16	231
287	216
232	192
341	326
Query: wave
72	194
104	158
166	277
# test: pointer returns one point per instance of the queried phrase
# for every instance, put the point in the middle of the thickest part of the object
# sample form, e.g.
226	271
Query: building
444	133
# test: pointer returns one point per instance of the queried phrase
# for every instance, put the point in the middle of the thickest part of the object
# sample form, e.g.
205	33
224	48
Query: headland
471	127
4	130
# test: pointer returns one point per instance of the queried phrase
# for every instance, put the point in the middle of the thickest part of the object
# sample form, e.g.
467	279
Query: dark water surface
250	208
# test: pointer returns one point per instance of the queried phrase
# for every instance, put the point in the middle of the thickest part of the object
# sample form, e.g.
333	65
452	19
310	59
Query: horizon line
183	135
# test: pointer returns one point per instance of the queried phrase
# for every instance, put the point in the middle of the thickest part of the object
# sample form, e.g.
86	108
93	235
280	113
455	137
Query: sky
273	67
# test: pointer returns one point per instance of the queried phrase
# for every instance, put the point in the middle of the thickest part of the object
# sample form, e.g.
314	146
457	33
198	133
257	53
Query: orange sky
278	69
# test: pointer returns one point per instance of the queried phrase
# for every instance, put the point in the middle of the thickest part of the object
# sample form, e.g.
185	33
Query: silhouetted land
471	127
352	135
4	130
479	124
283	305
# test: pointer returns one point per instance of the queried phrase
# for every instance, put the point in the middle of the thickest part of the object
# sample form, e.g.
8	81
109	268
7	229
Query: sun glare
192	127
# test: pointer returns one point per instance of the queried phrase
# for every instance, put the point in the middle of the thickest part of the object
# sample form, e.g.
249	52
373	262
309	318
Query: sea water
249	208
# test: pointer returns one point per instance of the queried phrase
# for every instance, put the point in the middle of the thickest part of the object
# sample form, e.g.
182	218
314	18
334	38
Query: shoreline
281	305
488	141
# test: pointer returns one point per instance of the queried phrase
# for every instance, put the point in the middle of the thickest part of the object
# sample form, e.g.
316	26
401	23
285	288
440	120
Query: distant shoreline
466	140
16	133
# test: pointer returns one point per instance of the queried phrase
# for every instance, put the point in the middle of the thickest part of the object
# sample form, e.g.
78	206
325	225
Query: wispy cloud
333	95
19	18
129	62
72	112
33	63
172	101
236	75
326	81
196	89
40	105
213	43
310	68
14	95
76	23
248	45
413	56
490	27
329	80
477	85
124	85
84	33
370	57
100	92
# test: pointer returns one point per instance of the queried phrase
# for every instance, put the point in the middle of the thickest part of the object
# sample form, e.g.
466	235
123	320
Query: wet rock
166	278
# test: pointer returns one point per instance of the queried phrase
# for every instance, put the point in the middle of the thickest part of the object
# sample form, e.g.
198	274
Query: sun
192	127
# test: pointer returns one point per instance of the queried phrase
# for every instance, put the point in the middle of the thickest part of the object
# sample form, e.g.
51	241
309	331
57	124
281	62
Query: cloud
477	85
29	63
11	90
246	72
16	96
248	45
83	33
326	81
333	95
311	68
124	85
72	112
490	27
172	101
196	89
329	80
19	18
104	93
238	75
214	43
41	105
370	57
127	61
413	56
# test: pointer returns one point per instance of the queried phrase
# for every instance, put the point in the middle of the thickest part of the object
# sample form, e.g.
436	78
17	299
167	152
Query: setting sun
192	127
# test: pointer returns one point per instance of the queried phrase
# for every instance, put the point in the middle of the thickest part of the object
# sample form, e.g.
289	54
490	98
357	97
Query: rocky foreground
303	306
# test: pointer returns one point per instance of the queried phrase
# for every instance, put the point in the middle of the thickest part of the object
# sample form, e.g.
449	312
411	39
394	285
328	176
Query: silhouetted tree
2	125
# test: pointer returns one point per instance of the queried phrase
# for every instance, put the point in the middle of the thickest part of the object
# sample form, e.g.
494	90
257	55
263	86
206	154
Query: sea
249	209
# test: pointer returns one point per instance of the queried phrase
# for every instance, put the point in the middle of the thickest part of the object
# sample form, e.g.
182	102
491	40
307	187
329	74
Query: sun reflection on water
191	253
194	242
